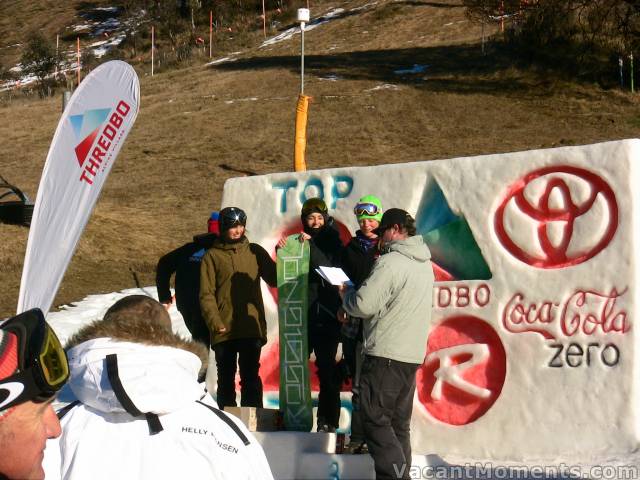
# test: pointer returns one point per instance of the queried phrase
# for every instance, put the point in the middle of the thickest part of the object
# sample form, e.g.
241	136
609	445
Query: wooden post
631	73
210	31
153	47
621	69
502	16
57	53
78	49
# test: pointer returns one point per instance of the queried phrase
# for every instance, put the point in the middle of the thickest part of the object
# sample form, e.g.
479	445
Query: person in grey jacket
395	303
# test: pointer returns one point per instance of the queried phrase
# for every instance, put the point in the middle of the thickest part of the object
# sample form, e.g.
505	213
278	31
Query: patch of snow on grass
384	86
221	60
415	69
289	33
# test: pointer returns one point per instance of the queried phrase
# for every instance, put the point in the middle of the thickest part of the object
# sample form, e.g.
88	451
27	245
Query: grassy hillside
201	125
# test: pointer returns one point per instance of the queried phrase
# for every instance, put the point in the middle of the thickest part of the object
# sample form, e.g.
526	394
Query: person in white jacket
140	412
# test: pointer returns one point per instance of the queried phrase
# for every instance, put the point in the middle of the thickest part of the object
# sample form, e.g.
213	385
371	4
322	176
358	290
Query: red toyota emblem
463	372
583	212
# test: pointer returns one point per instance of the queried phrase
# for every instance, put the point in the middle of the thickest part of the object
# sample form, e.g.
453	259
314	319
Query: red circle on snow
478	385
556	256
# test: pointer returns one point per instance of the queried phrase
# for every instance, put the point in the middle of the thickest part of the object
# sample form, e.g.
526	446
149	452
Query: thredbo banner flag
89	136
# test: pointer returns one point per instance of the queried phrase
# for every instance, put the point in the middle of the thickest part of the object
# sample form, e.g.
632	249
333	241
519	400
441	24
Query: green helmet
369	207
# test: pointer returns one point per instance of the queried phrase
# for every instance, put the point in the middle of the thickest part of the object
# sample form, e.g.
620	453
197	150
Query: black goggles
369	209
42	362
314	205
230	217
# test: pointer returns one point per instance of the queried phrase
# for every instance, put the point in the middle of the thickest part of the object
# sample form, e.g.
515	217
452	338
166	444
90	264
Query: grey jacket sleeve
373	294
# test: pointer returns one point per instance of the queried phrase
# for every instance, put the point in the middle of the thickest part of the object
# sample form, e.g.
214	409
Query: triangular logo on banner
82	149
89	121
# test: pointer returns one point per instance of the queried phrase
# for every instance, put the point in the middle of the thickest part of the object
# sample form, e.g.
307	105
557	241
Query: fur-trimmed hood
137	331
158	370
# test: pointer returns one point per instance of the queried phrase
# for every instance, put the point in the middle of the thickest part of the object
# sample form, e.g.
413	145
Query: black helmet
314	205
230	217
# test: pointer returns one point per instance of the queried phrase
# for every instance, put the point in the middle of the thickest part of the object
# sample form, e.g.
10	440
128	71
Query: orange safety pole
78	54
299	163
210	31
264	20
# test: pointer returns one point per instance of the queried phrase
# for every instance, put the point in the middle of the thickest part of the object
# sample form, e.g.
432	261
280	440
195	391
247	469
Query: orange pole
78	49
210	31
264	20
502	16
300	143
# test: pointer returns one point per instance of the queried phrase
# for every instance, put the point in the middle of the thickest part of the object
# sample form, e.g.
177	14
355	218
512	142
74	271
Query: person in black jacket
324	301
185	263
358	258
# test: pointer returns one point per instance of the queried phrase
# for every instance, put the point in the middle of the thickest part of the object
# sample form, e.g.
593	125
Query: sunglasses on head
369	209
42	362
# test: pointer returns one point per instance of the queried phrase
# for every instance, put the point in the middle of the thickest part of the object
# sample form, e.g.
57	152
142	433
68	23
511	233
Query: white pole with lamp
303	17
300	145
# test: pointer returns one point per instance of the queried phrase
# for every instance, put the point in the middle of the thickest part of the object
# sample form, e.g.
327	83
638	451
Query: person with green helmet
358	258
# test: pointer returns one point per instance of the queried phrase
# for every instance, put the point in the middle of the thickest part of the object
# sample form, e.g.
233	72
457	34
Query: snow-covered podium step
285	451
301	455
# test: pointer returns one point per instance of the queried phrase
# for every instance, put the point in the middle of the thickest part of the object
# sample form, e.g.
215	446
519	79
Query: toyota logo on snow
557	217
463	372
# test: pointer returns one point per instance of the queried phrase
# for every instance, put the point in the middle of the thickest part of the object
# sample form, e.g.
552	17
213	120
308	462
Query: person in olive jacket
232	306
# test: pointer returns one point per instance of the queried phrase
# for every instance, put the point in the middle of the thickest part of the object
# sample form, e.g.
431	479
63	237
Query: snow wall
532	351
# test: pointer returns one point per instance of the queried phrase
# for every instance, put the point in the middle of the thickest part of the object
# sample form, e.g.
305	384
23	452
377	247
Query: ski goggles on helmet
314	205
230	217
42	367
367	209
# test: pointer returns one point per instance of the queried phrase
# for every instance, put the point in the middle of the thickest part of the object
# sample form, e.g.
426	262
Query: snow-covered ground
314	23
70	318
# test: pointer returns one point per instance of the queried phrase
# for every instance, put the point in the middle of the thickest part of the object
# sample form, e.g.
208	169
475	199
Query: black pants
196	325
245	353
386	401
352	349
325	349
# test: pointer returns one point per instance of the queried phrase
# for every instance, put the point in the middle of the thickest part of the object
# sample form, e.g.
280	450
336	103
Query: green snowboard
293	300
